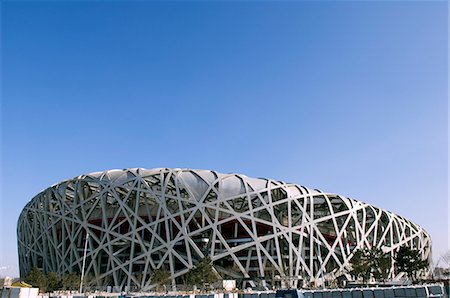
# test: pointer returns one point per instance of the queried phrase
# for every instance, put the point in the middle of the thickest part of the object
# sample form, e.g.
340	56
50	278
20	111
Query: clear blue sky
348	97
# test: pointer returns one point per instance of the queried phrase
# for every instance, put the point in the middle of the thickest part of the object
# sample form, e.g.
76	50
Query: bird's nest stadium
257	230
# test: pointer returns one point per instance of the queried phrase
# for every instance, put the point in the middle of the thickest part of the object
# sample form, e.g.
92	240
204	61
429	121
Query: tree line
52	281
366	264
373	263
202	274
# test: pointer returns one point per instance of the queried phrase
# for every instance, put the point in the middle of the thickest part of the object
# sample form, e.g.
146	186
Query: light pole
84	262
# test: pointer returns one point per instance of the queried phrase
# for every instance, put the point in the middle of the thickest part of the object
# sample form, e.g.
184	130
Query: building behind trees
261	232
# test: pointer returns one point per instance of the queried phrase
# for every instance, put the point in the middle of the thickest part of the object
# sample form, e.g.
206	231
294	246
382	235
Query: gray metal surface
259	229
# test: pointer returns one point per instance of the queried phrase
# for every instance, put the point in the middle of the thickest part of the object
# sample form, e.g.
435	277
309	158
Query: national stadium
259	231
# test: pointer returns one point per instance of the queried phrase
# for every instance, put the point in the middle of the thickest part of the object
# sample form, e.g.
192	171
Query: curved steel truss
257	229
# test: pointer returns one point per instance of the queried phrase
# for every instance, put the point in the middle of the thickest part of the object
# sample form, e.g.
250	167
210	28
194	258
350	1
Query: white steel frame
260	230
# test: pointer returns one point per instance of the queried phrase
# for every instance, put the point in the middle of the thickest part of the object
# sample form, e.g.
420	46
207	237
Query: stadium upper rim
118	176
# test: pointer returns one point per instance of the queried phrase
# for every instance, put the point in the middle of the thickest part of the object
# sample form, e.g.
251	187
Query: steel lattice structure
258	229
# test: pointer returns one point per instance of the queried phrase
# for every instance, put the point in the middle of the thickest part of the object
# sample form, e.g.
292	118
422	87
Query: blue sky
348	97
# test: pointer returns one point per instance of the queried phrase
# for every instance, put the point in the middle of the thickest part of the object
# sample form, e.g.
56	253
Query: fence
419	291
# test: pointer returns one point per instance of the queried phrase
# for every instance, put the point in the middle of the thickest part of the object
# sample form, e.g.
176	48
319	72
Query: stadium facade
261	231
